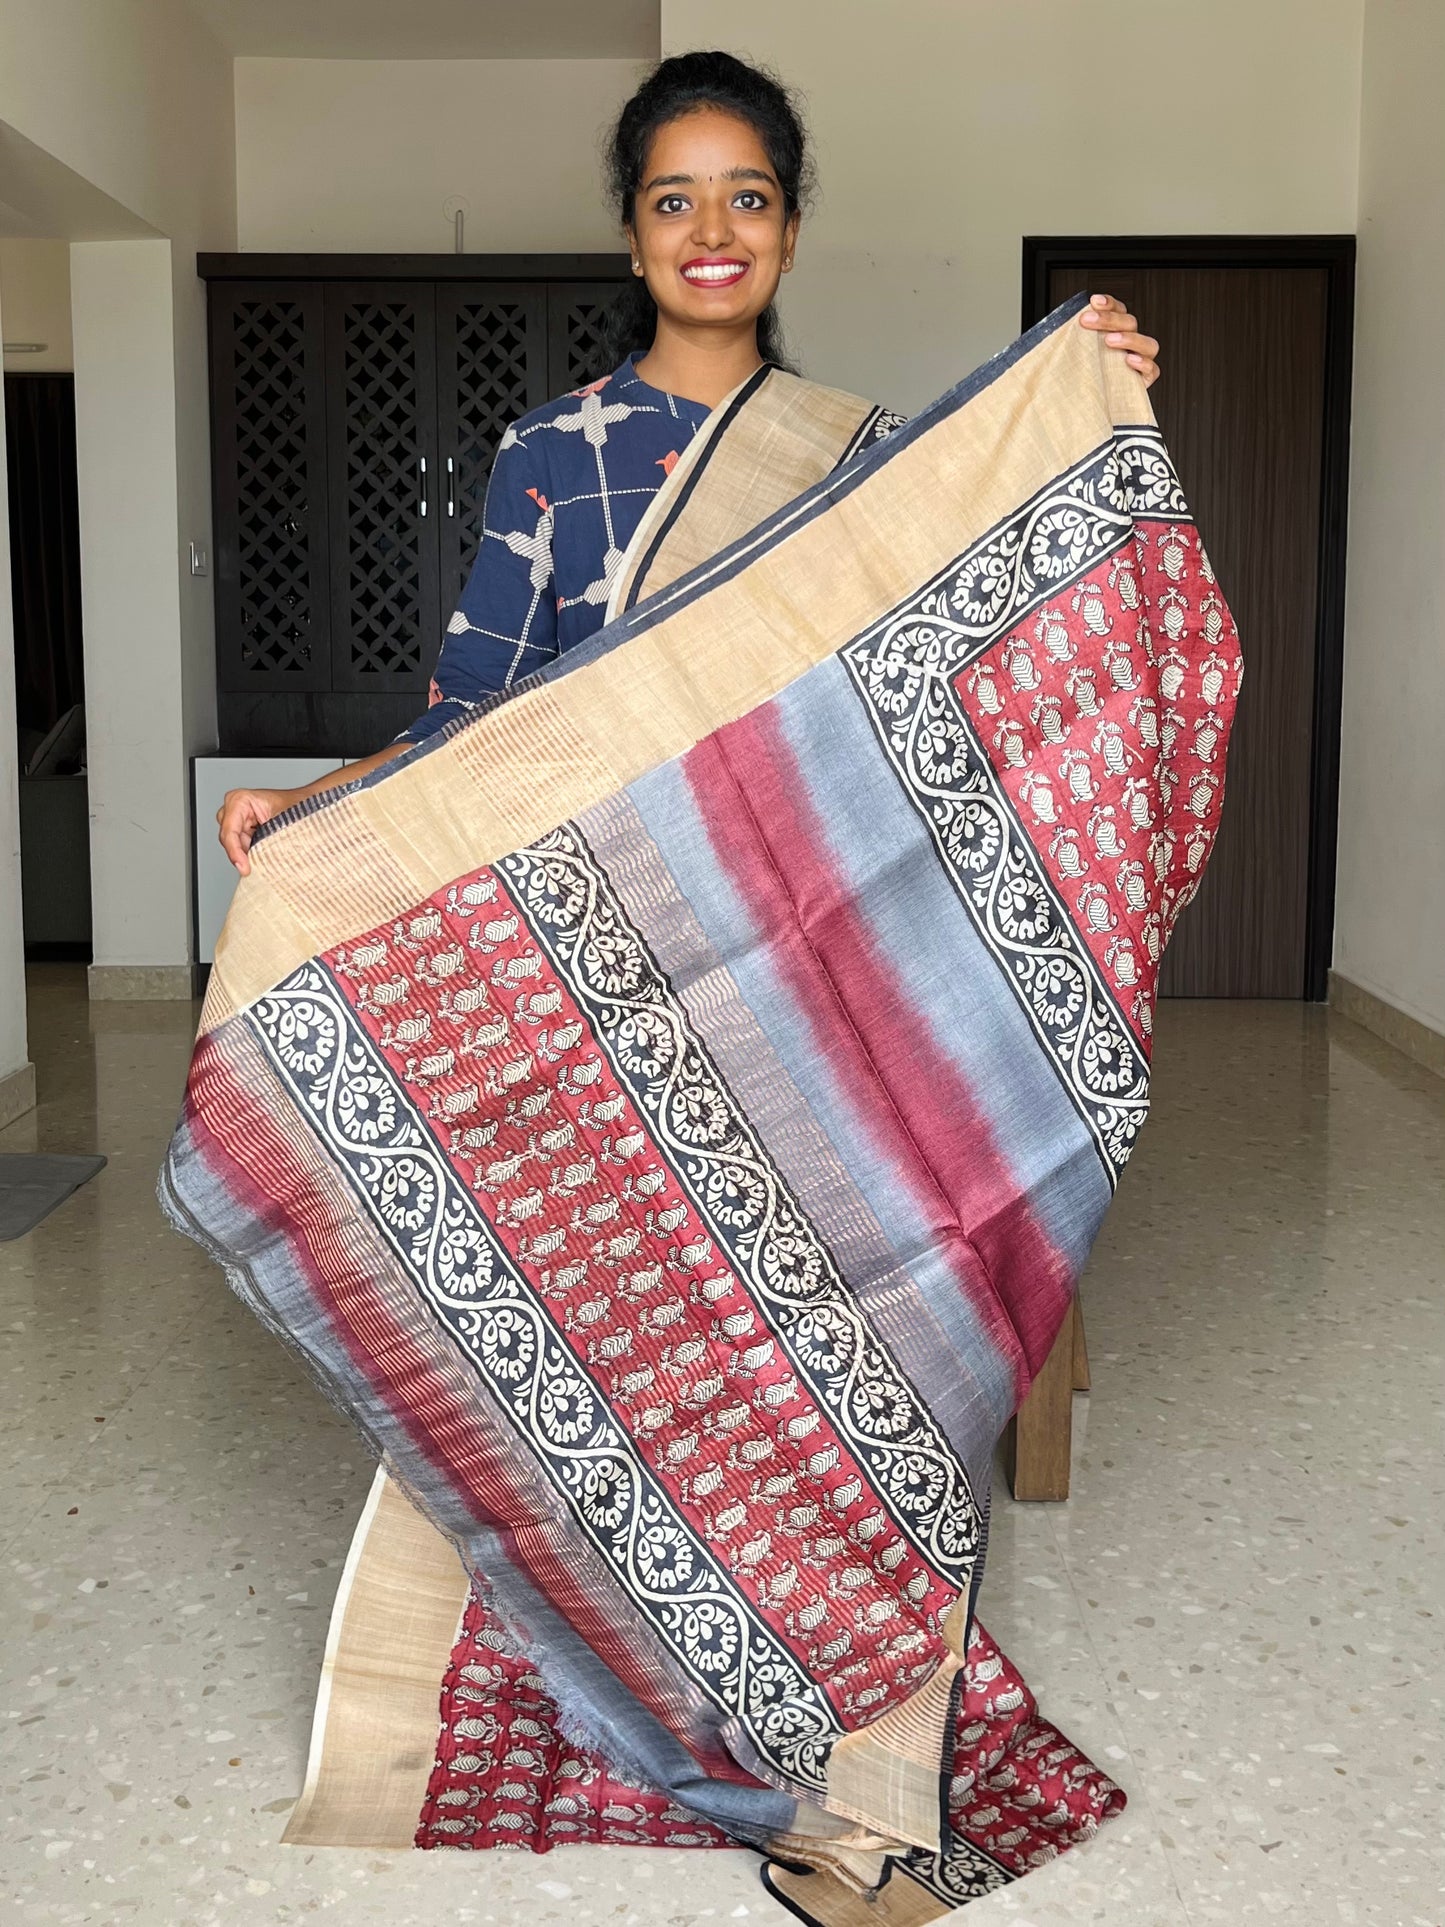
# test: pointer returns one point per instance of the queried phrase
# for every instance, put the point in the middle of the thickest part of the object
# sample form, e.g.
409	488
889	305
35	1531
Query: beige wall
363	155
947	129
1390	920
35	285
133	98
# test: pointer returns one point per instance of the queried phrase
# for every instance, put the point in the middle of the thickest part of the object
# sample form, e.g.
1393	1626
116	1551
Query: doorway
1254	403
44	533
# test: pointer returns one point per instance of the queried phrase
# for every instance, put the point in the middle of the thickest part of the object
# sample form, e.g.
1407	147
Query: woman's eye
671	204
751	200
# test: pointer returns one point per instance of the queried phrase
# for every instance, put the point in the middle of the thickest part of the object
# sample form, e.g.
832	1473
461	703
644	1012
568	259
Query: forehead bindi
705	146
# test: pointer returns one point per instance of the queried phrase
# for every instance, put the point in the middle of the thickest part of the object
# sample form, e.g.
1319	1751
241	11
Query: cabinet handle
451	486
421	469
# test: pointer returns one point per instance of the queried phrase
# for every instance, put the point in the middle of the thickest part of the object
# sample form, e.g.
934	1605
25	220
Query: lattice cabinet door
271	537
575	314
384	488
491	368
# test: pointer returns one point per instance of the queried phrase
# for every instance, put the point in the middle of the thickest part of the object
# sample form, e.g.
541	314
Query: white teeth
710	273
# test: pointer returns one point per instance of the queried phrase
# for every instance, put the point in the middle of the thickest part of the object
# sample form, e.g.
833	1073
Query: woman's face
709	225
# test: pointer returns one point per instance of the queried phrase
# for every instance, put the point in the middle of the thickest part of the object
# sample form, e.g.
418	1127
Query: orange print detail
668	462
539	498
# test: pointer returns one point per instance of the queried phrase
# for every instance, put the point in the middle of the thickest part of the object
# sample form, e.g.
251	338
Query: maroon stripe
907	1095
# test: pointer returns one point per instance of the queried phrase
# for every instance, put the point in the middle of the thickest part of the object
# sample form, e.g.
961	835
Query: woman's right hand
242	814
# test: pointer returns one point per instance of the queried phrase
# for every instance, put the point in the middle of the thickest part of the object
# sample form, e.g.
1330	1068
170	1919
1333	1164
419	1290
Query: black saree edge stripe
802	510
734	408
786	1901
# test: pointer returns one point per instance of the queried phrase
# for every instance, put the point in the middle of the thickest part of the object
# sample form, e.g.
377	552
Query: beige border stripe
378	1708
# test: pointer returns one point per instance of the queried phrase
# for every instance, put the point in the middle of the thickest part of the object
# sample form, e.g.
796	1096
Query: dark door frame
1335	253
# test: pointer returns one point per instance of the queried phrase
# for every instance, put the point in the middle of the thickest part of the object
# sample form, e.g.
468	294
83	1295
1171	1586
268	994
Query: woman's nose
714	226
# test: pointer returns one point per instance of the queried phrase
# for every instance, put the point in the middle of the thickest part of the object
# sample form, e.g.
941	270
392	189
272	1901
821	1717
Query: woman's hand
242	814
1121	332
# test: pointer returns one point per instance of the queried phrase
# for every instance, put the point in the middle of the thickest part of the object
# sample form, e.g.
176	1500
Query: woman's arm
242	812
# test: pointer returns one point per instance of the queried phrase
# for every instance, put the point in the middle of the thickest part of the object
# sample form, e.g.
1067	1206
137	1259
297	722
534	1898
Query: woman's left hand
1121	332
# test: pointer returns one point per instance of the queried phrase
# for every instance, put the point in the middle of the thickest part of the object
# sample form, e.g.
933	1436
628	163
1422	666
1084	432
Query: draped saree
669	1112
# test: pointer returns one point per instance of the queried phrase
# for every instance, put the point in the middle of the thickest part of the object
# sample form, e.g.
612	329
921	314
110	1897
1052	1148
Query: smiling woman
671	1107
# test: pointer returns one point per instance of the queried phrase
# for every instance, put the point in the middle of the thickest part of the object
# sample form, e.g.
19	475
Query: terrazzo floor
1240	1611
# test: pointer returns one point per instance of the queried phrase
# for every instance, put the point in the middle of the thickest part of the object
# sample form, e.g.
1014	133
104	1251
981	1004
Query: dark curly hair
676	87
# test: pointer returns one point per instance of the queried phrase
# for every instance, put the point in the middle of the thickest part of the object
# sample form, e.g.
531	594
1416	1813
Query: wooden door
491	368
384	489
1243	406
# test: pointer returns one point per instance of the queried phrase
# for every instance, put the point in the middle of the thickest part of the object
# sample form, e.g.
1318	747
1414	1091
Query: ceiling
437	29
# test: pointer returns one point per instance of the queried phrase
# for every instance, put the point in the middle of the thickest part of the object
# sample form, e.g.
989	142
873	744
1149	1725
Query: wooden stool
1037	1438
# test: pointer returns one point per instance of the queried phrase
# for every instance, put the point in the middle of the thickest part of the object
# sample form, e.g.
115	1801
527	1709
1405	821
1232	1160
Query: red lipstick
713	271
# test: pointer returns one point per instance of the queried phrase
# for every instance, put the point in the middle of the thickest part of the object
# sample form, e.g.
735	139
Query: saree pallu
669	1112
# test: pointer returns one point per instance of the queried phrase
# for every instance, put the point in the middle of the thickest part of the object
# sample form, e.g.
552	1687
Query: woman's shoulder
571	415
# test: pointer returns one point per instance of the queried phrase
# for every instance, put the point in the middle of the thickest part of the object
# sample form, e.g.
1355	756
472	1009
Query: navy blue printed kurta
570	483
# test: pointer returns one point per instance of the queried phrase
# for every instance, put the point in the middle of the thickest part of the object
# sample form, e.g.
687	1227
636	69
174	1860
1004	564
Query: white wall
35	285
362	155
1390	918
125	427
135	98
945	131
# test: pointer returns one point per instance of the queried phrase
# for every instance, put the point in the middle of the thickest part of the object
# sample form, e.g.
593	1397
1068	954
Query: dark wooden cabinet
268	428
356	409
381	462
